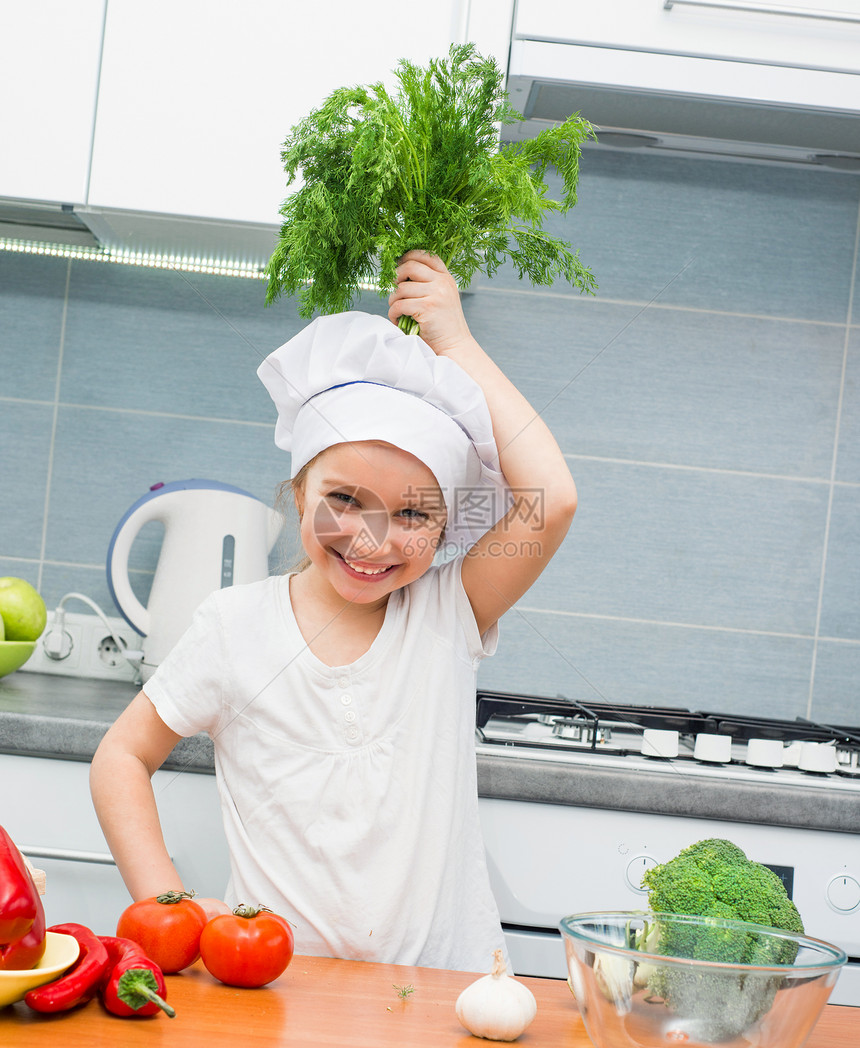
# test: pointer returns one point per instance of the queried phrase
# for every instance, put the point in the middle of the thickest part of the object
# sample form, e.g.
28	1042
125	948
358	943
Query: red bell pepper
22	917
132	984
29	949
77	984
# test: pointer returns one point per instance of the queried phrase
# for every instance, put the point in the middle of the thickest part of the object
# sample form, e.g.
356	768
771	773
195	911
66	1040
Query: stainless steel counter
42	715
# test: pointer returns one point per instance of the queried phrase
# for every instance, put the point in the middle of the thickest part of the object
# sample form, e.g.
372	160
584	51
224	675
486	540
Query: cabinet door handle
68	855
766	9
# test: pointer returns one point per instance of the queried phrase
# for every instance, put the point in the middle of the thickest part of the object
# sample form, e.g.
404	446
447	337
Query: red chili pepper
132	984
19	900
22	917
78	984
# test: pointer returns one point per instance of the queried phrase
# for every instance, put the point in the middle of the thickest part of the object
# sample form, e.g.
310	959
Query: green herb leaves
422	168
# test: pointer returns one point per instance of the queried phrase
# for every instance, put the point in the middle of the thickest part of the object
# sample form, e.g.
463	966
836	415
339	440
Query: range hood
688	104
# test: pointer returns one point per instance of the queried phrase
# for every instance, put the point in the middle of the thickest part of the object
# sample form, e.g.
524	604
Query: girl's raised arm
502	566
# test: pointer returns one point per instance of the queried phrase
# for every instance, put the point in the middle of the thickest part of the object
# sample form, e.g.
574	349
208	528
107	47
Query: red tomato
166	927
248	947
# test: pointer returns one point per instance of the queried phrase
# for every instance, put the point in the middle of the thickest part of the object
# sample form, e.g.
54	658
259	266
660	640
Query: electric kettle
215	535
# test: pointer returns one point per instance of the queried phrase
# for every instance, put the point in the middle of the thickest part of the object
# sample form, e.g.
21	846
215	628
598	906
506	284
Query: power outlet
85	649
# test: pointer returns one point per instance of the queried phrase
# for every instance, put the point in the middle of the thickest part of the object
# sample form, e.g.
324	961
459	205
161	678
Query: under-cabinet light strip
151	260
180	263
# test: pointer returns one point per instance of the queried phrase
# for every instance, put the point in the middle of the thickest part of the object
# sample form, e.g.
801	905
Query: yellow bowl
61	952
14	653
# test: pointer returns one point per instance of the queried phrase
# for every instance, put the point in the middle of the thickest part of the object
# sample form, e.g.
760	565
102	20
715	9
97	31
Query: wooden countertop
320	1001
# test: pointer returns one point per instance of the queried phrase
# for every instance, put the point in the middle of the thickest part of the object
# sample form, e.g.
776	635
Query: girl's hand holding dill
428	293
502	566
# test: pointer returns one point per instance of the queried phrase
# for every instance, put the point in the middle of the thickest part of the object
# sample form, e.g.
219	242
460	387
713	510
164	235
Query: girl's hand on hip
212	907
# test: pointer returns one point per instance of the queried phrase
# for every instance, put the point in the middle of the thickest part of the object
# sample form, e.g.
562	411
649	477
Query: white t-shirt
349	793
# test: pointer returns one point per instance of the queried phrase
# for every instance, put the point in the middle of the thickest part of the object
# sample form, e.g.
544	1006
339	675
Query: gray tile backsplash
707	398
716	235
848	460
694	548
840	609
691	388
595	659
26	429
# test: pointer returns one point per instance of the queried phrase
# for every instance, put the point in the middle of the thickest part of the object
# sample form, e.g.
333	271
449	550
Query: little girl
341	698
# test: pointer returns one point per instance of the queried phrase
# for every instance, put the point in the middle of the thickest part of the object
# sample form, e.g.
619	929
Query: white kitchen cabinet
197	97
47	810
809	34
48	87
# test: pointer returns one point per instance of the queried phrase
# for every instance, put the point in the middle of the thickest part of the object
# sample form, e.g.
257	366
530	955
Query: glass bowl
648	980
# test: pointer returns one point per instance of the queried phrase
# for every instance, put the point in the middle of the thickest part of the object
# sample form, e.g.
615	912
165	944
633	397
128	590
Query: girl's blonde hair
286	502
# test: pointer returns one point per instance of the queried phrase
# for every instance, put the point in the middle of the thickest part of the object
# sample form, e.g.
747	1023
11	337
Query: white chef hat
353	376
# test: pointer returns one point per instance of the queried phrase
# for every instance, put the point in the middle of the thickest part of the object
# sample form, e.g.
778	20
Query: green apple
22	609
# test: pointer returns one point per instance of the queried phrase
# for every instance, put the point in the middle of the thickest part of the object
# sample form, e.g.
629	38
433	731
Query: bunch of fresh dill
421	168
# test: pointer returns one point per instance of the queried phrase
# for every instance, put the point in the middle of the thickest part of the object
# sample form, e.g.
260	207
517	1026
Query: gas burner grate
497	704
743	728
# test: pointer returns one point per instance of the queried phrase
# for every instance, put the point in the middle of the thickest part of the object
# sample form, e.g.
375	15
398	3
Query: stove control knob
635	869
716	749
659	743
843	893
765	753
817	756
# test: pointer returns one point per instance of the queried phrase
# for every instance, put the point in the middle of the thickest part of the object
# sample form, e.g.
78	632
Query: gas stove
577	801
771	753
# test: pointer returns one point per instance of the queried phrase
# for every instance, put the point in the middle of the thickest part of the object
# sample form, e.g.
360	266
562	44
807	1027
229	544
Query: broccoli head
715	879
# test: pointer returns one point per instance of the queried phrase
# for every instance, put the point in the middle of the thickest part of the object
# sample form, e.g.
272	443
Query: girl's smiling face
372	516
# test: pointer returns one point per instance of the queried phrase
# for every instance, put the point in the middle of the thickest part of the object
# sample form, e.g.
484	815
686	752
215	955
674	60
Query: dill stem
412	156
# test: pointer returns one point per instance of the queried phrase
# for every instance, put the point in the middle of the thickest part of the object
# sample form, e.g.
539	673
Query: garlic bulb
496	1006
614	978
